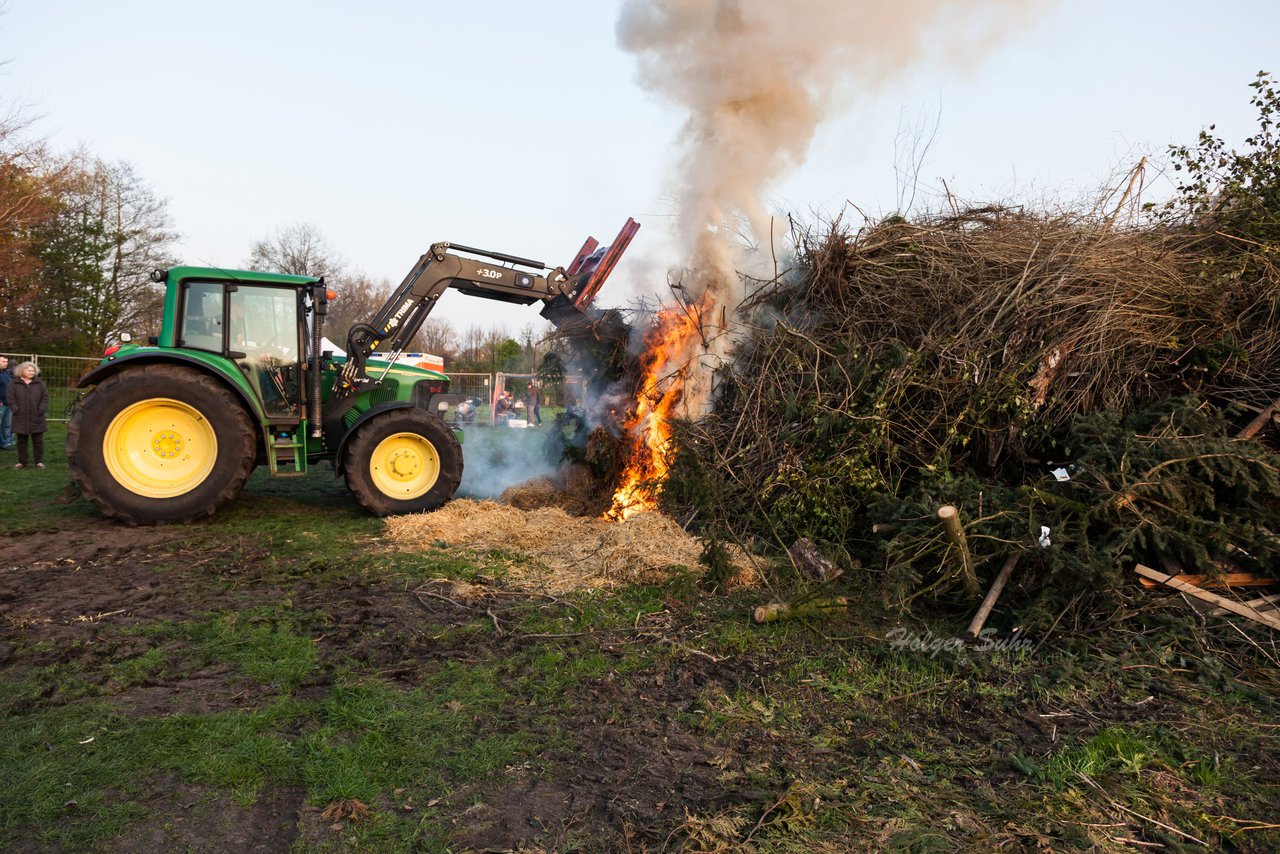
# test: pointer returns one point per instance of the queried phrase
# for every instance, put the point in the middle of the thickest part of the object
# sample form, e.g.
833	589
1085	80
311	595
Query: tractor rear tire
403	461
160	443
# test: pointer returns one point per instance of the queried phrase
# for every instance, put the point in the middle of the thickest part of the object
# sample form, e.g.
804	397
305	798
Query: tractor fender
114	365
364	416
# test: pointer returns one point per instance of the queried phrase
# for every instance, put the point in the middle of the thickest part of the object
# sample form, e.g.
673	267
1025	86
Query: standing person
29	400
6	414
502	408
532	399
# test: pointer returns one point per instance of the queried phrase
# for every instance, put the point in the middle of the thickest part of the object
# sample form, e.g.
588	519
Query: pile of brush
1074	388
1013	320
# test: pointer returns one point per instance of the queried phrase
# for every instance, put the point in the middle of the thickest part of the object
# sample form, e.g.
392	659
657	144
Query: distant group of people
504	406
24	400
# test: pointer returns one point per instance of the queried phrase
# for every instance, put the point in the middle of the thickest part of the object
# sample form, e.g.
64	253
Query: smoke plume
757	78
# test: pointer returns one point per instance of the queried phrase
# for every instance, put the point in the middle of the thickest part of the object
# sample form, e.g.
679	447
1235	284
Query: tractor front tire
160	443
403	461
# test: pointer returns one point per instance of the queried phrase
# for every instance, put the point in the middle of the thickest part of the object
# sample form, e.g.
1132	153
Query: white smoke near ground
497	458
757	78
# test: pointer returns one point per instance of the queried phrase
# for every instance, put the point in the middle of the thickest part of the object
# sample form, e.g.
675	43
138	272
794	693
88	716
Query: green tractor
237	378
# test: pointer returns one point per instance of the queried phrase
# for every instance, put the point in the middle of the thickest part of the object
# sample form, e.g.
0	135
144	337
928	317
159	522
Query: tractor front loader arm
566	293
395	324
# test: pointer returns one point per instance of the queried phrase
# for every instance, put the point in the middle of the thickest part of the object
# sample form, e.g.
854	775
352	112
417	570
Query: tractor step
287	458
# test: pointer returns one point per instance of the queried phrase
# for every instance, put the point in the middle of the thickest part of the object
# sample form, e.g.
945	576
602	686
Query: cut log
950	517
813	608
984	610
1213	598
1252	428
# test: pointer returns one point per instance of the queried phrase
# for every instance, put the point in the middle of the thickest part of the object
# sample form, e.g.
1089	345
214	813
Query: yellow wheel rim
404	466
159	448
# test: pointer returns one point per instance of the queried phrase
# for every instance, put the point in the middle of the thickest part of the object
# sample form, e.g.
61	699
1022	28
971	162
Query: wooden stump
950	517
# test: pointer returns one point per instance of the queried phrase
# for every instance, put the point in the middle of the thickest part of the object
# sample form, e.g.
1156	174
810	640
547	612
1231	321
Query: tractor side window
202	316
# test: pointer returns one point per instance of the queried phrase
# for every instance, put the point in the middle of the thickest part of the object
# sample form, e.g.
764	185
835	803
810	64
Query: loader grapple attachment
589	270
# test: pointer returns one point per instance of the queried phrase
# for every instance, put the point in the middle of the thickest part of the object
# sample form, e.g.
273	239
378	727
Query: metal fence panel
60	375
574	387
472	385
485	388
478	386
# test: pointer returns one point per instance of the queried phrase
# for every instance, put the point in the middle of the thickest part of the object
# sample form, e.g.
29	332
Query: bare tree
359	298
141	235
437	337
473	346
299	249
529	340
493	338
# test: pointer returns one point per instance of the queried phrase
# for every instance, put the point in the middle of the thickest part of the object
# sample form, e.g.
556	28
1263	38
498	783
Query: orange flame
669	347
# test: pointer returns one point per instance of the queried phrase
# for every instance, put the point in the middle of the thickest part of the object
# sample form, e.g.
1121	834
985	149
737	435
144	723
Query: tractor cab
260	327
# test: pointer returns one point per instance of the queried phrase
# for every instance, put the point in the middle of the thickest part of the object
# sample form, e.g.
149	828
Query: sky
522	127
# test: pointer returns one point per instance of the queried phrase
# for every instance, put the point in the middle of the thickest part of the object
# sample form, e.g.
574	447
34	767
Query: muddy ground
681	727
73	596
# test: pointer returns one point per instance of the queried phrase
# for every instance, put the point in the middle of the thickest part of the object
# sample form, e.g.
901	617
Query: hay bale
541	491
479	524
561	552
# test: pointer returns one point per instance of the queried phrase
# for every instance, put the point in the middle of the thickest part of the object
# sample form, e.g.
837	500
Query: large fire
670	349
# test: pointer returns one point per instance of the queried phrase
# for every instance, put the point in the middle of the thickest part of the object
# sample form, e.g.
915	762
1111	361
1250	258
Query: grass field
281	679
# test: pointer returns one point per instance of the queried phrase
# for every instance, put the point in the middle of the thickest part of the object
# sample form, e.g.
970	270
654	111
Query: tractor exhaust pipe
320	305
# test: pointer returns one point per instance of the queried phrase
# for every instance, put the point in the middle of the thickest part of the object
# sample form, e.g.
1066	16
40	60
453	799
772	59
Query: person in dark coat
29	400
6	414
